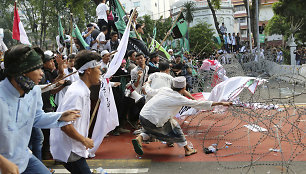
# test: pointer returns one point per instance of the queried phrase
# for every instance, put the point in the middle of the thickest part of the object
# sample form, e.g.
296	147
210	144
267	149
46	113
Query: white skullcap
49	53
170	50
104	52
179	82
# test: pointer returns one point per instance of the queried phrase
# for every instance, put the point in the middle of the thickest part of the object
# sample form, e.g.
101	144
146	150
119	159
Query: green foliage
201	35
287	57
216	3
162	27
39	18
289	11
188	9
277	25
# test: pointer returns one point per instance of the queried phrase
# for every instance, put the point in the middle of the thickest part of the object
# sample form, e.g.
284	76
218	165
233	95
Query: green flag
60	31
76	33
120	18
184	44
262	38
162	51
154	32
180	28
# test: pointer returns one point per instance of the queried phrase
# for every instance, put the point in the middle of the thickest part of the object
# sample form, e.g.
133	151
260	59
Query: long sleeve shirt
18	115
166	104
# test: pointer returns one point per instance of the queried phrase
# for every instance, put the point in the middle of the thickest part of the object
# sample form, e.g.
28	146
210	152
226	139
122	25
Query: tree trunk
253	19
246	8
215	20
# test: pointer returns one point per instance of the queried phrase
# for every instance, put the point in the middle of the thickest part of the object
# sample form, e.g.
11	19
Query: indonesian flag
18	30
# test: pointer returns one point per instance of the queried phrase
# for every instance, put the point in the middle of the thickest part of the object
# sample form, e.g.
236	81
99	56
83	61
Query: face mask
25	83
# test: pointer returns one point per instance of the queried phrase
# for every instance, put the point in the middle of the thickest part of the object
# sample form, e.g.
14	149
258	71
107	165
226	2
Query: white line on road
137	170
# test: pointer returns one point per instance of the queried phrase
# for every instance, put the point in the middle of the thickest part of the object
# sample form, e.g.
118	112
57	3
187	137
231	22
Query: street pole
257	30
249	26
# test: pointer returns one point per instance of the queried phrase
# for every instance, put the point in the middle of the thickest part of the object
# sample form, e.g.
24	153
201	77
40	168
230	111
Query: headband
90	64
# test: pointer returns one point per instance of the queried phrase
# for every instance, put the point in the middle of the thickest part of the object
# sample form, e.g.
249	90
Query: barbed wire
269	124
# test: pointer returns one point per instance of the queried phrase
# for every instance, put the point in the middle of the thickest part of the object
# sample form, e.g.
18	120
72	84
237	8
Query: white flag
107	117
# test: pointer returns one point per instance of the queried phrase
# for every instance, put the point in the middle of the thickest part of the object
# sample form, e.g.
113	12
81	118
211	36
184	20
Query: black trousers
78	167
102	22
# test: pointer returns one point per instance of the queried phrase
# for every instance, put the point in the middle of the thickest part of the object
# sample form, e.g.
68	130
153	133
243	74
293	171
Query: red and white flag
18	30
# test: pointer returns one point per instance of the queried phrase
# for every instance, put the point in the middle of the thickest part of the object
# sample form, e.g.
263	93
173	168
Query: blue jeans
36	142
35	166
78	167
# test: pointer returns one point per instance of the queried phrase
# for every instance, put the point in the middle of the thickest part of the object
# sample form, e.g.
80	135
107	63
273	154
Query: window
239	8
242	20
137	4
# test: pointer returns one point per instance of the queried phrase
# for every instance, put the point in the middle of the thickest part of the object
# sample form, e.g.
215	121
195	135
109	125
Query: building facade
203	13
154	8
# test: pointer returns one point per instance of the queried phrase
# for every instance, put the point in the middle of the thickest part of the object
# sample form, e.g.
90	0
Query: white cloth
101	37
166	104
159	80
101	11
107	117
231	88
77	97
60	95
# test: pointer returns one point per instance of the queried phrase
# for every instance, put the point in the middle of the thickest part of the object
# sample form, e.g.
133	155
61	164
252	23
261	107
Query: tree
215	4
188	9
205	34
286	12
162	27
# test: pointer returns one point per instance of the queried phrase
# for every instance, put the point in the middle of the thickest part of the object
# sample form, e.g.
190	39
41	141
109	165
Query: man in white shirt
139	76
157	120
105	61
70	144
234	42
102	11
101	38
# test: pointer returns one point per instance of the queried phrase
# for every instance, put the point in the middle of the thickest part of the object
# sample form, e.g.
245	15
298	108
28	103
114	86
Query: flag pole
131	25
69	74
168	33
71	25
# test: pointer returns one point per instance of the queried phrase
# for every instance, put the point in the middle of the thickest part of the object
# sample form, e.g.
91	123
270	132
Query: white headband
90	64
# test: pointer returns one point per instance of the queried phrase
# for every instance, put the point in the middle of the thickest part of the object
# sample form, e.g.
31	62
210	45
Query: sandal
137	147
194	151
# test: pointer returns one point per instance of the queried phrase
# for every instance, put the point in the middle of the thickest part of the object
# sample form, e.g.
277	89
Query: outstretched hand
70	115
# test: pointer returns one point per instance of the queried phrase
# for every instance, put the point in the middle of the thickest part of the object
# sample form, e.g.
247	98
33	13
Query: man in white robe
157	120
70	144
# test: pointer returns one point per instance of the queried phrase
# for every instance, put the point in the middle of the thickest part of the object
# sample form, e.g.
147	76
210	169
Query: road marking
138	170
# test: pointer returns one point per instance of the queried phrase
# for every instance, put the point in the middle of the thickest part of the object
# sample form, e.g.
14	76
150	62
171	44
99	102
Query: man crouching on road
157	120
